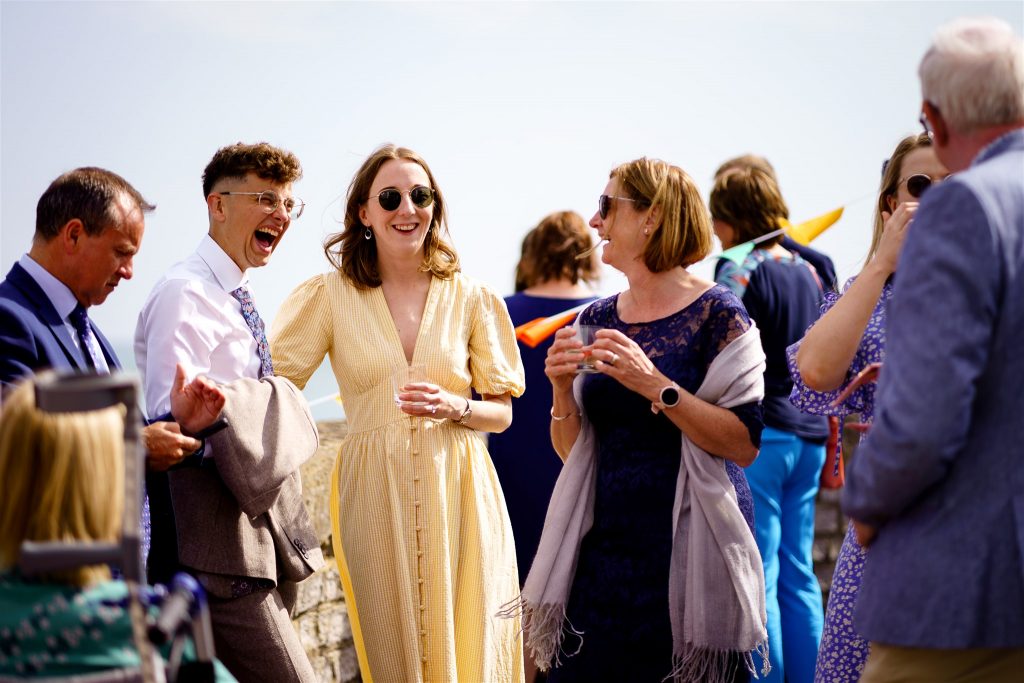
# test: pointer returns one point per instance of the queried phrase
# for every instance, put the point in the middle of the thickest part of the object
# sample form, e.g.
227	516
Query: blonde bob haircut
356	257
63	476
681	234
890	185
749	200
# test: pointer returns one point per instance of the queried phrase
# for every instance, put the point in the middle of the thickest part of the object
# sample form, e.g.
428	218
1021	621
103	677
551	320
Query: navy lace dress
619	597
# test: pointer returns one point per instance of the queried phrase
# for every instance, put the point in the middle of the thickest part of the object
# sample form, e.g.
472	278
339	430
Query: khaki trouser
892	664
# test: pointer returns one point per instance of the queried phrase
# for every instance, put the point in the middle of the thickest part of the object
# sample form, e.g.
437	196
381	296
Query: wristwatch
668	398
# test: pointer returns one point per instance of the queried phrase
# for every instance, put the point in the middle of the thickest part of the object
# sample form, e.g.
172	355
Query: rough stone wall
320	615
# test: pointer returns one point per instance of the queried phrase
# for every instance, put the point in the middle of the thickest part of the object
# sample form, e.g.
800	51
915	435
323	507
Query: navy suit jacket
941	473
32	334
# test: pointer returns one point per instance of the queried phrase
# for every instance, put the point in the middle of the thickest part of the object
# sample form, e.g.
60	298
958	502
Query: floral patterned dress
843	653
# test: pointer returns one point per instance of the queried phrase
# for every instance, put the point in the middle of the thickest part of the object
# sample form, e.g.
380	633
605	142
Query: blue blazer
941	473
32	334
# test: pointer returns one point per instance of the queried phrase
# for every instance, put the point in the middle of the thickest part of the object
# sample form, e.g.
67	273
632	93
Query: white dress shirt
64	302
191	318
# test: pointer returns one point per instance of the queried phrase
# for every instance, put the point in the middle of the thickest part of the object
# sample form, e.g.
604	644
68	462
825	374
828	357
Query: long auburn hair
356	257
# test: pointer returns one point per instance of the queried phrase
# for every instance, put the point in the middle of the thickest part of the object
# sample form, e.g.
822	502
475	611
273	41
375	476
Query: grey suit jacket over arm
241	513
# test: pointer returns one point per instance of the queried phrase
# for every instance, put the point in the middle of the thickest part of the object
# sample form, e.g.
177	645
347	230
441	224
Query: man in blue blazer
937	489
89	225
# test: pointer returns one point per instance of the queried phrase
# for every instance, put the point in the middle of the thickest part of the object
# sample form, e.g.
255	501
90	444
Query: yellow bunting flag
805	232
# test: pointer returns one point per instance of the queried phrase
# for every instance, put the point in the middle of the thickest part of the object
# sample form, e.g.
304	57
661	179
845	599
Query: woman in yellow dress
421	533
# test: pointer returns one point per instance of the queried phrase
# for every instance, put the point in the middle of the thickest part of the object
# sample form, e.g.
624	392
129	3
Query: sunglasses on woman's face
918	183
604	204
391	198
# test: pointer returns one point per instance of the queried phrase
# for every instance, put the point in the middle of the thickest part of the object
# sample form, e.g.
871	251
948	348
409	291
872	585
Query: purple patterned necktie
255	323
80	321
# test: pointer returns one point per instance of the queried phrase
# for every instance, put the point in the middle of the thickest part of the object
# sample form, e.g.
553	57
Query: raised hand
894	232
563	357
196	404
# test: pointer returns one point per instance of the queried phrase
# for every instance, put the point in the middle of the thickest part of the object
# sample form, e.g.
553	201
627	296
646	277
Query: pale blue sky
520	108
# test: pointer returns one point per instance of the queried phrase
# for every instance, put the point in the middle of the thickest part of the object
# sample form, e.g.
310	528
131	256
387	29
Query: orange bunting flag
536	331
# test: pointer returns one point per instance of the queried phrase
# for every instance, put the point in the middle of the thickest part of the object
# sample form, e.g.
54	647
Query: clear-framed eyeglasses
269	202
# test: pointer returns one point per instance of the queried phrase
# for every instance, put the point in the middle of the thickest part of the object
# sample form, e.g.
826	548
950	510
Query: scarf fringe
705	665
545	627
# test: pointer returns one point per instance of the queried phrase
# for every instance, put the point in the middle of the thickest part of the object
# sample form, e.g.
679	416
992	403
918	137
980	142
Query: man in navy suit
89	226
937	489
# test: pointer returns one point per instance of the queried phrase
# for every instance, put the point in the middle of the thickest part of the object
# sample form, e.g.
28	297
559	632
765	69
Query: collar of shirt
57	292
225	271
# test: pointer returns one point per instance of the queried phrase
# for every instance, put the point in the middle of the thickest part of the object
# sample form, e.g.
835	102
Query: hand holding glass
405	375
588	335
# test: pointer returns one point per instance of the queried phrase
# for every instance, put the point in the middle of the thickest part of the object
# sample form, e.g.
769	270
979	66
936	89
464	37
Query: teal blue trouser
784	481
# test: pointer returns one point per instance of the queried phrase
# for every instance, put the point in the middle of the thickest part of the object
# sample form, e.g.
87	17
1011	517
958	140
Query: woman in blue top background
783	294
550	278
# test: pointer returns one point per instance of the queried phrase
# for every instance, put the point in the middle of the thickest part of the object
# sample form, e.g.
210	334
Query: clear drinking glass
404	375
587	335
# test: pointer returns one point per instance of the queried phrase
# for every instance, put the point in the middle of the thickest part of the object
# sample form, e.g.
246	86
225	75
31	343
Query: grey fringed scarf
716	584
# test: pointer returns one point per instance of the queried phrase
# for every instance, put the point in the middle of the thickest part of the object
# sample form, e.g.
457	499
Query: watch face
669	396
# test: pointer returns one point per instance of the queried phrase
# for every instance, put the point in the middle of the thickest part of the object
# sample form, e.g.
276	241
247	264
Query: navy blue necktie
80	321
256	326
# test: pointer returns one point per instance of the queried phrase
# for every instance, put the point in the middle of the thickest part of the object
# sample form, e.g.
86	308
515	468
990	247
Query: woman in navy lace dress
849	337
628	598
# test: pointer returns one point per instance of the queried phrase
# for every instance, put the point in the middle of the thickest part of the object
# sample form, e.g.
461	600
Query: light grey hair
973	73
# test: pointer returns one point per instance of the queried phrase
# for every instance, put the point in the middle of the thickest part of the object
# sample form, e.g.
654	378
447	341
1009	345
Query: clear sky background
520	108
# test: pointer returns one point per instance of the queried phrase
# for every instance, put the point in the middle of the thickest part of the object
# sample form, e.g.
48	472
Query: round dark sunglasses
390	198
917	184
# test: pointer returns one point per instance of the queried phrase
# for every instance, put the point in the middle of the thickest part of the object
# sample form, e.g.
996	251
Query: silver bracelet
556	418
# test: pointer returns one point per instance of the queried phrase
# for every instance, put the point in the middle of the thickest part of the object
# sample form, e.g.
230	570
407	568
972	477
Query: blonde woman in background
421	534
850	337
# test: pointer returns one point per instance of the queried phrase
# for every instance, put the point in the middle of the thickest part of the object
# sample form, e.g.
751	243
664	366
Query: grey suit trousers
255	638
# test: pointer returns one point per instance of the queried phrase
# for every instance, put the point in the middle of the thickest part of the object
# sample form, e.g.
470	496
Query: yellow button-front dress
421	532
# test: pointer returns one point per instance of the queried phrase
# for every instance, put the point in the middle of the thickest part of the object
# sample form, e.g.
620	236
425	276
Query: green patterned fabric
49	629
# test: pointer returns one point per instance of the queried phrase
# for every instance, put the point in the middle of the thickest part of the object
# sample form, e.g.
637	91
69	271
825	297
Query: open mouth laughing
266	237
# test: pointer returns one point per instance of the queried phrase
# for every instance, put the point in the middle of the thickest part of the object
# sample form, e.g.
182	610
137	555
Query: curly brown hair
263	159
356	257
551	252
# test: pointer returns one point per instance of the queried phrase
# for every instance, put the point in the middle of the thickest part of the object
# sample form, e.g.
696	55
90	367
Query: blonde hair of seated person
63	476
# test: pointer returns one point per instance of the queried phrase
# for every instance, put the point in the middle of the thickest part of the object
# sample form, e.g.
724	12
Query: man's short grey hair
973	73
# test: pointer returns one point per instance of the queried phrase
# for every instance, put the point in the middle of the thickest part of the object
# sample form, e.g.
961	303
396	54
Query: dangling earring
367	234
